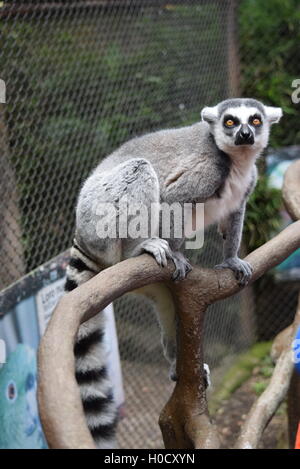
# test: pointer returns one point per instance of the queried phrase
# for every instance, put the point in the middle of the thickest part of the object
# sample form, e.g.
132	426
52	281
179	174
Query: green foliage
262	215
267	371
240	372
263	373
259	387
269	50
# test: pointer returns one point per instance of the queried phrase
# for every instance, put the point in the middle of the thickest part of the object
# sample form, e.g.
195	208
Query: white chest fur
233	193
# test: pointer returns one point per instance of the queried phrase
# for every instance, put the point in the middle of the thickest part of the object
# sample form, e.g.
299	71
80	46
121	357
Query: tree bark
184	420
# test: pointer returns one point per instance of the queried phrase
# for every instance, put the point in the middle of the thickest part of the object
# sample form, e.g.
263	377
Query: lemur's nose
245	132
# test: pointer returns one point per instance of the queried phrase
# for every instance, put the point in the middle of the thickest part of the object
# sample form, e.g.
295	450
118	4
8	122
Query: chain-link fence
81	78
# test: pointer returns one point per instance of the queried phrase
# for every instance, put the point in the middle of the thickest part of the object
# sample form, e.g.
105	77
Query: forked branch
63	419
184	421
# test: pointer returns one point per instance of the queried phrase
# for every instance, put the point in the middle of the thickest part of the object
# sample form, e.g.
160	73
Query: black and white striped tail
90	357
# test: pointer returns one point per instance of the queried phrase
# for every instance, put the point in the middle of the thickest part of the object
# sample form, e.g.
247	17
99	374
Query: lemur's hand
241	269
183	267
159	248
161	251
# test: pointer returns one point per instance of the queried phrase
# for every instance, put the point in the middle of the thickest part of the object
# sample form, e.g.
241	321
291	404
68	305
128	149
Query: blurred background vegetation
270	59
269	35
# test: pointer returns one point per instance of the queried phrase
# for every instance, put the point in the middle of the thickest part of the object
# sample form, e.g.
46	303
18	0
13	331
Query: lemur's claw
160	250
241	269
182	266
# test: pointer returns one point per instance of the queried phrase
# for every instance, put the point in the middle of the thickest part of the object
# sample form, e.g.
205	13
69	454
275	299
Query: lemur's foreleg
232	229
191	185
132	186
161	296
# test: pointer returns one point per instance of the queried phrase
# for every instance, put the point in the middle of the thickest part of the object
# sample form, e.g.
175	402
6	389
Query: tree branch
266	405
184	420
63	419
291	190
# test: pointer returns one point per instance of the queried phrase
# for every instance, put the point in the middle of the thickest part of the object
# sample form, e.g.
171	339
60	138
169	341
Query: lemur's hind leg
164	305
131	189
134	187
90	360
120	219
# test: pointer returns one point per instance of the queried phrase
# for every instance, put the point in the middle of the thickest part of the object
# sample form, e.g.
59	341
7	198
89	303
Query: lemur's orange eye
229	123
256	121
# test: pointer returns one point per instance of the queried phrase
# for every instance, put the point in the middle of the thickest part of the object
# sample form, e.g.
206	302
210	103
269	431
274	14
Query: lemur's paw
182	266
159	248
241	269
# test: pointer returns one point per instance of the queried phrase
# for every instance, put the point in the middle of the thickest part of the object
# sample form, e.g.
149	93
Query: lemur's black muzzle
244	136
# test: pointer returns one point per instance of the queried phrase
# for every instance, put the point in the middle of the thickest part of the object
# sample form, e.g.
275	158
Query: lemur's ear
273	114
209	114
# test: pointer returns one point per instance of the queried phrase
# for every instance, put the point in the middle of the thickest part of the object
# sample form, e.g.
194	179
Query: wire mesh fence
83	77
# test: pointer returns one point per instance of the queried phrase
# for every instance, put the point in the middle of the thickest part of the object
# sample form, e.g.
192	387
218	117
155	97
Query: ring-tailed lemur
212	161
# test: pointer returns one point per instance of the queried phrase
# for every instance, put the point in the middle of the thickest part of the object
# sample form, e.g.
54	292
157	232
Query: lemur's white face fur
241	126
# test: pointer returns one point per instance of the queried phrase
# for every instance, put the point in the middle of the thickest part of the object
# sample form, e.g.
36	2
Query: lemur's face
241	126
